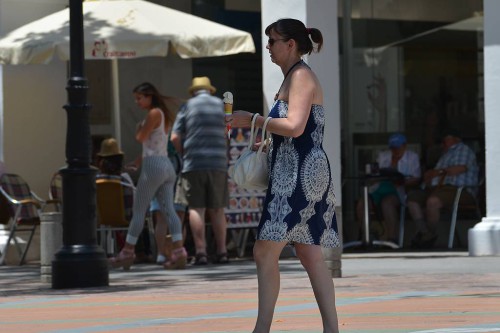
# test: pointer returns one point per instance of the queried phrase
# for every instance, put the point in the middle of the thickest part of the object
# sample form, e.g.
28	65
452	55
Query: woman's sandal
124	259
221	258
200	259
178	259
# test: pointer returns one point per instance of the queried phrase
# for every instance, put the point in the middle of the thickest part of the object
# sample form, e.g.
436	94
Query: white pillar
321	14
484	238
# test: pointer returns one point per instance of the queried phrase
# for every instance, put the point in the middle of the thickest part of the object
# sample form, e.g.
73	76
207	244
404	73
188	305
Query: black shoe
416	240
428	240
424	240
200	259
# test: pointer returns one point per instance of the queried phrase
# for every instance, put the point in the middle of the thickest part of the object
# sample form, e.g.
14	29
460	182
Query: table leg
367	215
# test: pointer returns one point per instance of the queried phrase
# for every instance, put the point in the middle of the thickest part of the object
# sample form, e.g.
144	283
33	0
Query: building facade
387	66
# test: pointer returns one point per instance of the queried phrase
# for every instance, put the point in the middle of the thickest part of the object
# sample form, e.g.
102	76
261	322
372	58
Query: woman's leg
160	234
266	256
312	259
144	193
165	197
145	190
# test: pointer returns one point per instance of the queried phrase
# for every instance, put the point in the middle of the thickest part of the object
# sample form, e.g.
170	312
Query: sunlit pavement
379	292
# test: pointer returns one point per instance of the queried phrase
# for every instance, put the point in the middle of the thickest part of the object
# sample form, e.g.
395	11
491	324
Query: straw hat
109	147
202	82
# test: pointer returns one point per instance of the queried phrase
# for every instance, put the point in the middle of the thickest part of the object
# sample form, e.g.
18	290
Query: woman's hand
257	145
240	118
131	167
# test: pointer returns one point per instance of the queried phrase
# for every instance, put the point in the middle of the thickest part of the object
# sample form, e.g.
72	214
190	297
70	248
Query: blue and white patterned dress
300	201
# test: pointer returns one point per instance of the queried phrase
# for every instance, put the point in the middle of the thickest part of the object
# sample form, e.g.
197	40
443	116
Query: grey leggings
157	180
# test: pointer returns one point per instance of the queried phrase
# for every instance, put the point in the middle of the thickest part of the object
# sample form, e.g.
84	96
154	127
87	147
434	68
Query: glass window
413	67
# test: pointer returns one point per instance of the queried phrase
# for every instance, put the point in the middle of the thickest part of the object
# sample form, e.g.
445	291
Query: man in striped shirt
456	167
199	136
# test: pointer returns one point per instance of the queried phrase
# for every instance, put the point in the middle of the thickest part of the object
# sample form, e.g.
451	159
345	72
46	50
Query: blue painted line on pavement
485	328
20	304
241	314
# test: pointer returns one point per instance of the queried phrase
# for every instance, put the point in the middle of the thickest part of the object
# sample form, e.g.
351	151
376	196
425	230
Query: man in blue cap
388	195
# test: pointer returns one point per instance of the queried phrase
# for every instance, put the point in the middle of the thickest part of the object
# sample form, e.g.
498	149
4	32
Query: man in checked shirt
456	167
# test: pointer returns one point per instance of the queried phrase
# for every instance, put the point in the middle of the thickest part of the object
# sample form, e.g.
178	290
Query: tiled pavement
386	292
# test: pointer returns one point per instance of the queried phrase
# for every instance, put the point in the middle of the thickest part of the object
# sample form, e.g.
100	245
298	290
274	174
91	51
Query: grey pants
157	180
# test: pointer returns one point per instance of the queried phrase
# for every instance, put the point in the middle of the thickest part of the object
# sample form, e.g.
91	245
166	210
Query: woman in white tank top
156	180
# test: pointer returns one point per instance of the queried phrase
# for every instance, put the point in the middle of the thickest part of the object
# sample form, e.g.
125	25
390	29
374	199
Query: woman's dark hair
157	100
294	29
110	165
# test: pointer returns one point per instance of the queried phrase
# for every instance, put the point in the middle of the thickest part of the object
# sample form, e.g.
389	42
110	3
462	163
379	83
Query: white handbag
250	169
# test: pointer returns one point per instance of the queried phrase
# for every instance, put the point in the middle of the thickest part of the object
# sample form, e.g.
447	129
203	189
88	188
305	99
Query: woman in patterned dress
300	203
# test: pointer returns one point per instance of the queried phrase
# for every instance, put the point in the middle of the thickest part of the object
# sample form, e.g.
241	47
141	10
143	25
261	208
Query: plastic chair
402	221
470	207
114	200
23	207
55	191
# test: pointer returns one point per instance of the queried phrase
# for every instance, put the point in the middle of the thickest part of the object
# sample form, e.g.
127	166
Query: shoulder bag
250	169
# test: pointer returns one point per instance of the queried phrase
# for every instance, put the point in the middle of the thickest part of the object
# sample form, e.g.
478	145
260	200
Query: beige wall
34	122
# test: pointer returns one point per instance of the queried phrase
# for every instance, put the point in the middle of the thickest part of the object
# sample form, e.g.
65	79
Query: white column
484	238
321	14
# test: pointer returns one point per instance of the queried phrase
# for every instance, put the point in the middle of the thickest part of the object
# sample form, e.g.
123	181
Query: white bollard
50	242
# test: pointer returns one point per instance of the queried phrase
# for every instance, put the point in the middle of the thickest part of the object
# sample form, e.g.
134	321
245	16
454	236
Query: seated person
110	163
456	167
388	195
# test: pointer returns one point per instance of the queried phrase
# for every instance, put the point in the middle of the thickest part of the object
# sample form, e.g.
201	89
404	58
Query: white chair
473	207
21	212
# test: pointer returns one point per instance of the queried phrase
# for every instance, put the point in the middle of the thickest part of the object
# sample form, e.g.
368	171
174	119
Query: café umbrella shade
123	29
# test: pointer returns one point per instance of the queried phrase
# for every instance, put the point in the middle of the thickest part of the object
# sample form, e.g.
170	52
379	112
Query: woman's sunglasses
271	41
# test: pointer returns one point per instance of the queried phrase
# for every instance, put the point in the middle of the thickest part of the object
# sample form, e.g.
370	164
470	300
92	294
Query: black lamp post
80	262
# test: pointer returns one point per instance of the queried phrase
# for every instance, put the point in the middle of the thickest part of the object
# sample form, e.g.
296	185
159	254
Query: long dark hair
157	101
294	29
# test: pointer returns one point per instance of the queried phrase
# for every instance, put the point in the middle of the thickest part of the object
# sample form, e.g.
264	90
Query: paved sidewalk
379	292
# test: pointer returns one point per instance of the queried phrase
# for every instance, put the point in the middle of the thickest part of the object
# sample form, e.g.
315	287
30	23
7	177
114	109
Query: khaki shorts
446	193
205	189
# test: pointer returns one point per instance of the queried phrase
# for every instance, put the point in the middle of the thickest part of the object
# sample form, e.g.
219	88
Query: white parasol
120	29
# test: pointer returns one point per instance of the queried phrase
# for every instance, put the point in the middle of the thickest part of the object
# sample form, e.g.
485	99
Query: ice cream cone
228	109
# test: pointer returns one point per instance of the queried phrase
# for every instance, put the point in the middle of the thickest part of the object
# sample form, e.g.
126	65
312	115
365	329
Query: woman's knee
308	254
264	251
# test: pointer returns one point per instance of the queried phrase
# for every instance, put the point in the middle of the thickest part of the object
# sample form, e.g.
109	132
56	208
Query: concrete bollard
50	242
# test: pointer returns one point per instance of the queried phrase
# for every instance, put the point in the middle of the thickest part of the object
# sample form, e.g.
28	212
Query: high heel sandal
178	259
124	259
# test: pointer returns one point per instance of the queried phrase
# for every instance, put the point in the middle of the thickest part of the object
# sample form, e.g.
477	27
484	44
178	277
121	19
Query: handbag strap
253	132
262	144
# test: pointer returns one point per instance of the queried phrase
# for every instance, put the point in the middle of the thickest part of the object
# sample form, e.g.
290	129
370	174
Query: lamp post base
80	266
